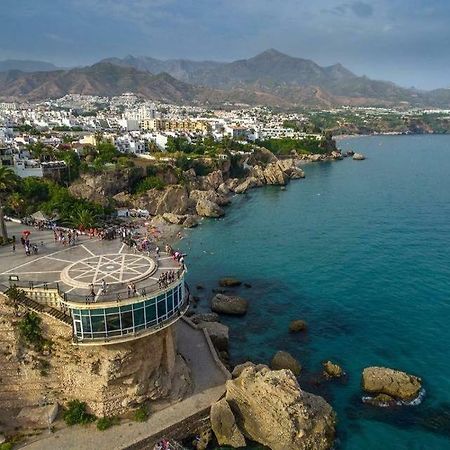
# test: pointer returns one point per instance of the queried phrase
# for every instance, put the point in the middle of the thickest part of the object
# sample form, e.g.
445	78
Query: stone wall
111	379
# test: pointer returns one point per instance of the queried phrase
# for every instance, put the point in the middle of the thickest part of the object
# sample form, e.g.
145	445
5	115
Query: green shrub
30	329
106	422
76	413
151	182
141	414
6	446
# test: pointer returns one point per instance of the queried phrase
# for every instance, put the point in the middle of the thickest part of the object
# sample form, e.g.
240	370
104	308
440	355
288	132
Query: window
170	304
127	320
150	312
139	318
161	308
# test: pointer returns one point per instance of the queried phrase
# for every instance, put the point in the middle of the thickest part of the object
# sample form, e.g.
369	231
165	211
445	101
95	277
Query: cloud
361	9
358	8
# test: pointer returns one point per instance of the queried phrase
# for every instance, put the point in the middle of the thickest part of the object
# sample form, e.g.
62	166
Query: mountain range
26	65
269	78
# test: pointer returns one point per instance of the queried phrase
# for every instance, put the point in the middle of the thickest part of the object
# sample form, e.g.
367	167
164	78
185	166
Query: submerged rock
270	408
332	370
205	317
227	304
297	325
396	384
224	426
229	282
284	360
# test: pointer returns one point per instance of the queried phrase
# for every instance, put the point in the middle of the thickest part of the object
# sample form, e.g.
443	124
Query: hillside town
144	128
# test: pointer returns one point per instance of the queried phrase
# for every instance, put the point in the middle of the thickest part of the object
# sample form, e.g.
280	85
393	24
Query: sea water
361	251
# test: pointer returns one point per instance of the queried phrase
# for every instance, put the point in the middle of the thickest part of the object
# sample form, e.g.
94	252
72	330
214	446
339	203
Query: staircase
43	309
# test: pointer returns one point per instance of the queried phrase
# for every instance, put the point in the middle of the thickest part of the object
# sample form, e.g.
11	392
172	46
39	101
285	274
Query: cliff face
110	379
268	406
100	188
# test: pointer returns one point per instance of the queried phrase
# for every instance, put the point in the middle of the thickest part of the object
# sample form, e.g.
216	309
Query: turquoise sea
361	251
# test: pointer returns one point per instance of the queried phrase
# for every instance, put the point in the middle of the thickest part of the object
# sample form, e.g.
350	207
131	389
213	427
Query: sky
405	41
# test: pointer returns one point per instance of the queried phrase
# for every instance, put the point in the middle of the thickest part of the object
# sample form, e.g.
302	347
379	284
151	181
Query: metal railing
111	295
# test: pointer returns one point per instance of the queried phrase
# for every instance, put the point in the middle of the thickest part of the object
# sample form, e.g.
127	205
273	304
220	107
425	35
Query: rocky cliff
110	379
270	408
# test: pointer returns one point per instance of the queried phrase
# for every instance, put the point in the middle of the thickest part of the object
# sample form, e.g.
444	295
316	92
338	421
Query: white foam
416	401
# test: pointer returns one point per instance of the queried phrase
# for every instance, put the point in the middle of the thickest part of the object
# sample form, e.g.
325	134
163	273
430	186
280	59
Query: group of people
131	289
163	444
167	277
65	237
28	247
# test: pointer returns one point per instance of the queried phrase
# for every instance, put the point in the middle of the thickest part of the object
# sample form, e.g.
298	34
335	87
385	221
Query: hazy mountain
270	78
103	79
26	66
182	69
274	72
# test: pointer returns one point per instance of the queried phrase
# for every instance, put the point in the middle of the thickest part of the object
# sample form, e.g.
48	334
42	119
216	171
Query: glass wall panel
86	321
127	320
112	322
150	311
176	297
169	302
98	324
138	317
161	308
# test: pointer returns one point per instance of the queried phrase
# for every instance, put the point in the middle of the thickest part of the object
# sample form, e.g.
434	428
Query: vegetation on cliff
76	413
306	145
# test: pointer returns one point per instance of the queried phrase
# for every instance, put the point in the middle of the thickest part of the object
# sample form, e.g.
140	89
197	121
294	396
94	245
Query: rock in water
218	332
359	157
207	208
284	360
297	325
332	370
396	384
229	282
224	426
270	408
227	304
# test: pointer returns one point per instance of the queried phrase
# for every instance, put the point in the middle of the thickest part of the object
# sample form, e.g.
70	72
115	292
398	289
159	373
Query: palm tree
8	179
82	218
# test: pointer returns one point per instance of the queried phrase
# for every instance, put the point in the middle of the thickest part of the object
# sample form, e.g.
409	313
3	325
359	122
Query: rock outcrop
218	332
111	379
210	195
332	370
176	219
173	199
394	383
227	304
224	425
206	208
244	186
284	360
100	188
358	157
205	317
270	408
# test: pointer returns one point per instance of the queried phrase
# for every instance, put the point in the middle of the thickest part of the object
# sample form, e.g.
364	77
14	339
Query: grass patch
141	414
106	422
